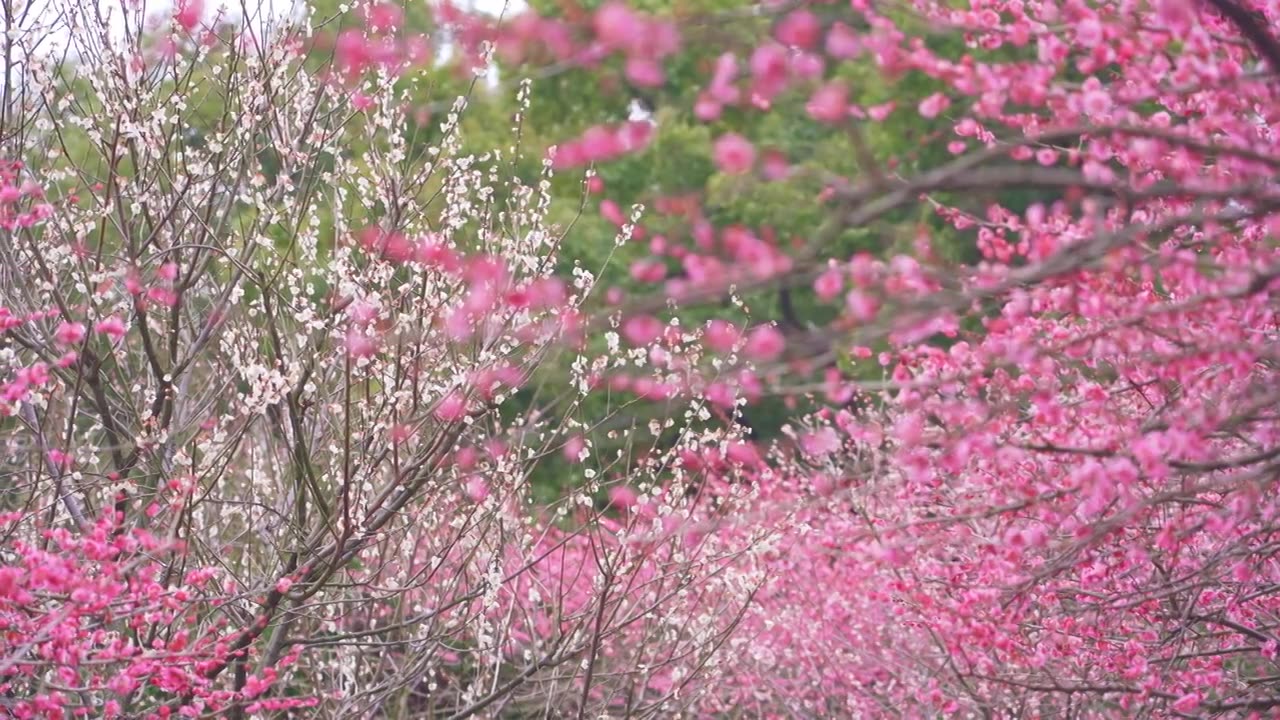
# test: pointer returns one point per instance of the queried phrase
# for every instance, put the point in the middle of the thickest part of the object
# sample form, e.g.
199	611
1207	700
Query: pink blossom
648	271
600	143
821	442
452	407
622	497
384	16
431	251
1089	32
113	327
635	135
360	344
862	306
610	211
1177	15
765	343
909	429
721	394
641	330
880	112
362	312
7	320
707	109
775	166
829	104
722	89
163	296
1188	703
1096	103
69	333
721	336
828	284
391	246
573	448
801	28
616	25
476	488
933	105
743	453
189	14
734	154
769	69
842	42
352	52
644	72
806	66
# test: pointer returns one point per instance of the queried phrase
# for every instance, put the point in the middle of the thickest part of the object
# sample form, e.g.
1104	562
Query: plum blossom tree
1056	499
274	405
255	388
